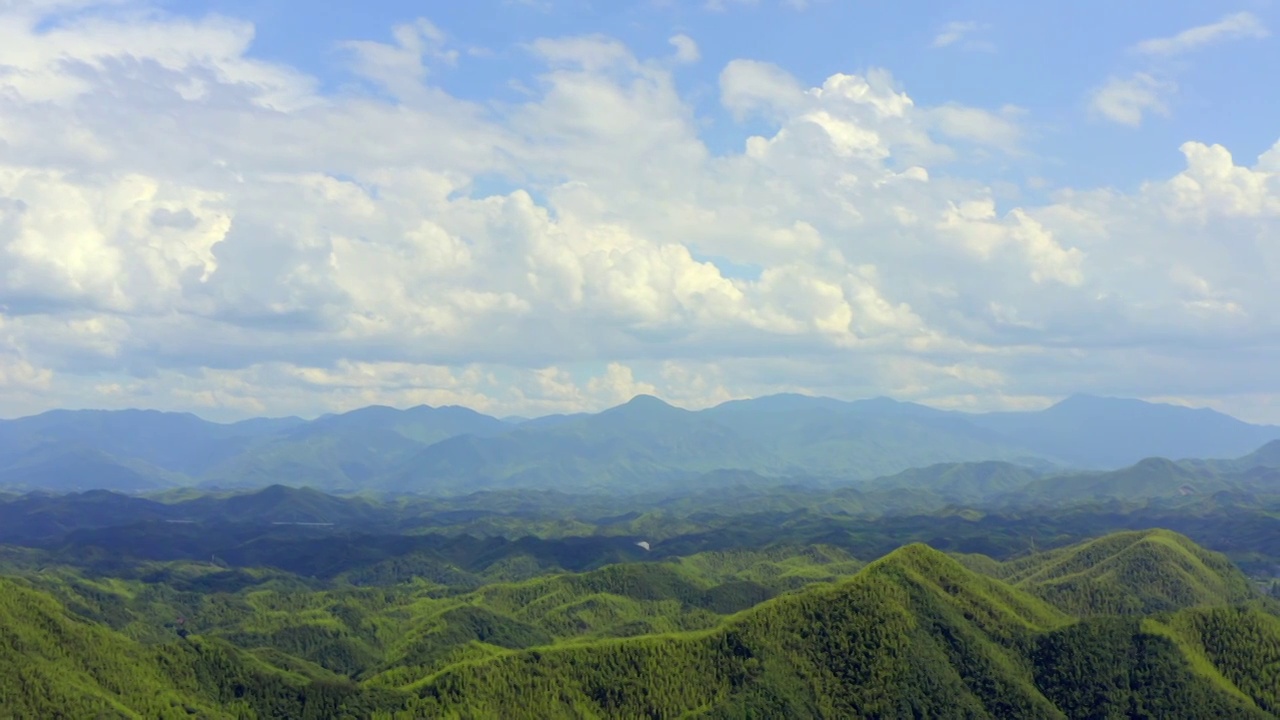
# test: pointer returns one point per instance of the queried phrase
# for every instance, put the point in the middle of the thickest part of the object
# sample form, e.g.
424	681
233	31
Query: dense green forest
962	589
1130	624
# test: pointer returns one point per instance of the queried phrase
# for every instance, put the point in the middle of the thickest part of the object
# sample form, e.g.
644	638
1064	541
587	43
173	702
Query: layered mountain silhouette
642	445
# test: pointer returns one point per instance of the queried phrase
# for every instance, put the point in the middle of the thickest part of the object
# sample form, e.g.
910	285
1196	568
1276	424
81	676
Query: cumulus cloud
214	232
1214	187
58	64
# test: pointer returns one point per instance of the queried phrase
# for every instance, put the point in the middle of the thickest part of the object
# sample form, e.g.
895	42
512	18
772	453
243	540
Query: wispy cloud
960	34
686	48
1127	100
1231	27
723	5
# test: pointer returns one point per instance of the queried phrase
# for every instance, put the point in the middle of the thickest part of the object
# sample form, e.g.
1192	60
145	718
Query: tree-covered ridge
800	632
56	664
740	503
1133	573
419	626
915	634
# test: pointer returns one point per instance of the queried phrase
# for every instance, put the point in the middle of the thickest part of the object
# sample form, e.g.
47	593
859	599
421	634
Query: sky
535	206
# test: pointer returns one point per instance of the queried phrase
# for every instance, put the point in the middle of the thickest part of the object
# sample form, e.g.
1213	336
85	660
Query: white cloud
720	6
401	68
953	32
686	49
983	235
1128	100
617	385
1214	187
120	243
20	376
214	232
750	86
51	65
1235	26
984	127
960	34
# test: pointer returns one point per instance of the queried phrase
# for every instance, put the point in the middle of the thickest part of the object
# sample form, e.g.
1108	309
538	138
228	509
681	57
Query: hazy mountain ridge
1095	432
969	489
642	445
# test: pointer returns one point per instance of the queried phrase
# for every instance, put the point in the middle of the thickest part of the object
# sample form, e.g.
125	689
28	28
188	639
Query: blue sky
1044	57
532	206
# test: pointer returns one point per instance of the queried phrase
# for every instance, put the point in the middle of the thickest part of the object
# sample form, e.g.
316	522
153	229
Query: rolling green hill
55	664
1149	478
972	482
915	634
1134	573
1140	624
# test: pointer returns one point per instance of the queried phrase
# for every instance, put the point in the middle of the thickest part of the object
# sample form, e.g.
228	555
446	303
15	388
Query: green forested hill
1132	573
55	664
915	634
1140	624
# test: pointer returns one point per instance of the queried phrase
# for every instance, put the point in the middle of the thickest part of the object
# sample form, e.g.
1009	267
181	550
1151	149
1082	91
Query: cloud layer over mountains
184	225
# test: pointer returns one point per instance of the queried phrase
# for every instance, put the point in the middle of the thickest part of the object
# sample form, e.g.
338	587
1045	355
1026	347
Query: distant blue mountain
642	444
178	442
1098	432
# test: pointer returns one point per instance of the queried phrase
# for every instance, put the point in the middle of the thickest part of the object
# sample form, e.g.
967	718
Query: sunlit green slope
1137	624
915	634
1131	573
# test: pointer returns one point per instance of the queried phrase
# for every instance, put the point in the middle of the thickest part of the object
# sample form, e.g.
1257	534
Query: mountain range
640	446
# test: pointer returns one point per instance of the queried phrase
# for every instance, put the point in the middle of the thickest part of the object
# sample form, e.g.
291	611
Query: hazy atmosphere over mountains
706	359
640	446
536	207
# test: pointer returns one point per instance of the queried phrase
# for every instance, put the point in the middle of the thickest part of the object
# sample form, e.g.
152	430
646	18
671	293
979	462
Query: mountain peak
1096	432
647	403
1133	573
1085	401
1158	464
915	554
645	399
1266	456
778	403
947	580
888	406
